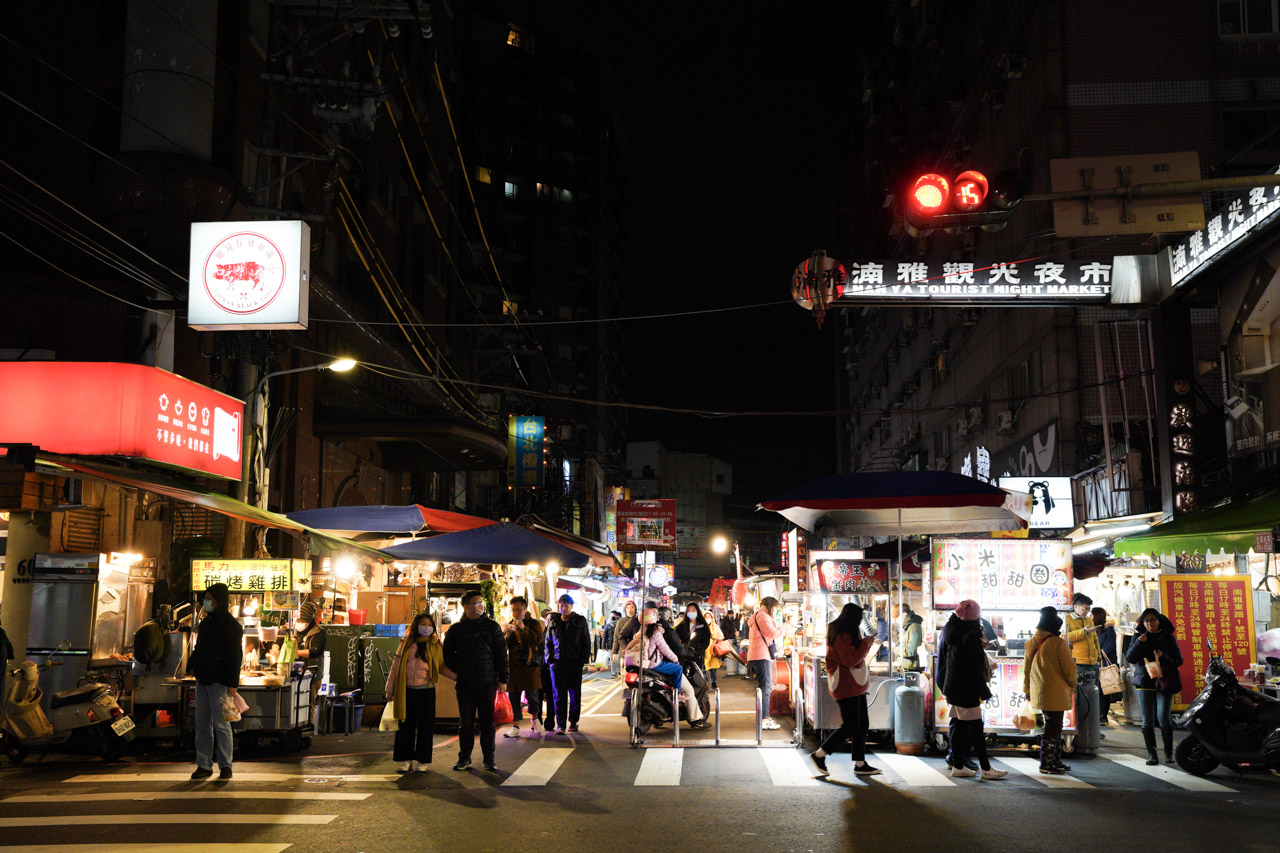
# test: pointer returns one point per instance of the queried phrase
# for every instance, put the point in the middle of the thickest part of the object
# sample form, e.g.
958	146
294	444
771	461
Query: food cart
1011	579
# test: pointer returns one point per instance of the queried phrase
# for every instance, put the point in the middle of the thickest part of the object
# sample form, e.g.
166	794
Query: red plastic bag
502	713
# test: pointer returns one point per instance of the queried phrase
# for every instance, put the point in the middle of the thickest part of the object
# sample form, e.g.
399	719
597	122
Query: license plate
122	725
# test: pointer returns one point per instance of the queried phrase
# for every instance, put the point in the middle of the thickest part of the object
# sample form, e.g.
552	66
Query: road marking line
1031	767
660	767
167	847
788	767
185	795
106	778
595	706
916	772
538	768
117	819
1172	775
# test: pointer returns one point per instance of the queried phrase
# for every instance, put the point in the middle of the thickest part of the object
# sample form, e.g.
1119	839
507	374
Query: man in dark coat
475	650
216	664
524	650
568	648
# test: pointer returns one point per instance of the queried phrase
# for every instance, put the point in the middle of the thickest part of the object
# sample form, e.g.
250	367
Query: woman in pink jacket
847	679
410	689
764	633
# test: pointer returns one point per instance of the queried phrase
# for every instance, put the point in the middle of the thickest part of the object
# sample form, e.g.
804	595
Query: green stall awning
1235	527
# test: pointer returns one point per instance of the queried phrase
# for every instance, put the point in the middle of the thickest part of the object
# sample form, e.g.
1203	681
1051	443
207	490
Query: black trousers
535	704
853	727
549	697
476	699
413	738
566	678
968	737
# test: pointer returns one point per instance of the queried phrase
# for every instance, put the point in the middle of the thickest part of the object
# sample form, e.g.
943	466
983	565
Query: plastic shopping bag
389	723
502	713
230	712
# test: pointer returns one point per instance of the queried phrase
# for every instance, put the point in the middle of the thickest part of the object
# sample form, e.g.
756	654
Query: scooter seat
74	695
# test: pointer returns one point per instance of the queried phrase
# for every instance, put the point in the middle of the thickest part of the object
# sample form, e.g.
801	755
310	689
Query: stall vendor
311	637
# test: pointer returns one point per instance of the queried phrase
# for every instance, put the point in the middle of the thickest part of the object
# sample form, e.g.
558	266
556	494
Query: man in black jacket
568	650
476	651
216	664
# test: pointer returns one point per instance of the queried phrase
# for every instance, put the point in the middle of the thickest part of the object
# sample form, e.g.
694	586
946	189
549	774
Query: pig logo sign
244	273
226	434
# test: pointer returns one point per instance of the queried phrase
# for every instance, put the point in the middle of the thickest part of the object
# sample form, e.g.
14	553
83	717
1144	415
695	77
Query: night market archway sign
821	282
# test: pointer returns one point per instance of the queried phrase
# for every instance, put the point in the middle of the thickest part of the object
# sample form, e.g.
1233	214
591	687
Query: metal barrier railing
717	716
635	716
675	715
759	717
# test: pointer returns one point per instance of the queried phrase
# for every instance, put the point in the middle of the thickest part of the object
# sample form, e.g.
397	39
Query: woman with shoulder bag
848	678
762	648
1156	658
968	673
410	691
1049	680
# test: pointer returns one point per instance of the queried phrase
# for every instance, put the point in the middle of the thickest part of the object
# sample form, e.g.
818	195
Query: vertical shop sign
1182	439
1218	608
524	451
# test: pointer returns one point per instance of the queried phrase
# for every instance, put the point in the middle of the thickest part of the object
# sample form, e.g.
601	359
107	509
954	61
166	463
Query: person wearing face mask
411	690
694	634
622	634
476	653
1156	645
216	664
312	638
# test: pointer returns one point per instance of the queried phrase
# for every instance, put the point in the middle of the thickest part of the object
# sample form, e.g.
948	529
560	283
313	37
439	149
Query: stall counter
822	713
1006	698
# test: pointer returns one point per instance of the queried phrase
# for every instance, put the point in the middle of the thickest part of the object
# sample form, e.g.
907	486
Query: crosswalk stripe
538	768
184	795
145	847
106	778
167	847
915	771
660	767
113	819
1173	776
787	767
1030	767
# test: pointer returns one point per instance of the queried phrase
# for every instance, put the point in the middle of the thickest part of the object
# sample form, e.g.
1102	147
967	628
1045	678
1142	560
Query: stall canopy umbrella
501	543
401	520
894	502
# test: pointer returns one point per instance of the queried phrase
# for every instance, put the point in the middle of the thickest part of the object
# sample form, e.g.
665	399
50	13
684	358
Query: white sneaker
962	772
988	775
533	727
405	767
420	767
515	732
768	723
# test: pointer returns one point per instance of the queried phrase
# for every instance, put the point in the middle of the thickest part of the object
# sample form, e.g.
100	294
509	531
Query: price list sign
1006	698
1209	607
242	576
1001	574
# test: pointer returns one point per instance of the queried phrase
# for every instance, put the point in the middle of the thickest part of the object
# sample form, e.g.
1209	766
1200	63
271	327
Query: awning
502	543
399	520
600	555
1235	527
318	541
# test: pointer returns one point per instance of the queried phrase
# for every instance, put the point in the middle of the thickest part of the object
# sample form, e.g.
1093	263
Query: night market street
591	791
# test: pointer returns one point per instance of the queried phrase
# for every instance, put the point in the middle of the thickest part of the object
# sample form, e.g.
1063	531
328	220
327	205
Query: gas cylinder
908	717
1088	699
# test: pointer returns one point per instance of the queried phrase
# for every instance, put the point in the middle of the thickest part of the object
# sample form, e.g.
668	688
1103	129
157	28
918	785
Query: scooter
655	699
86	719
1229	724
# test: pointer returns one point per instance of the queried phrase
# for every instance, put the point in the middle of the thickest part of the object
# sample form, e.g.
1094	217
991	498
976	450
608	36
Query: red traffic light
969	191
929	194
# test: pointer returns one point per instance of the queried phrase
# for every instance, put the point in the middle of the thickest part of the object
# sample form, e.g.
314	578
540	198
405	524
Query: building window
544	190
1247	17
483	175
514	37
1025	379
561	194
521	38
512	190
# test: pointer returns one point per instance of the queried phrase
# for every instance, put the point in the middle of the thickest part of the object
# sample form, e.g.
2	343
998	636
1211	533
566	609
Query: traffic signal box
970	200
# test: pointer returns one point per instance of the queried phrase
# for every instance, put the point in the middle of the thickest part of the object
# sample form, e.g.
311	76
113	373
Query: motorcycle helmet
664	613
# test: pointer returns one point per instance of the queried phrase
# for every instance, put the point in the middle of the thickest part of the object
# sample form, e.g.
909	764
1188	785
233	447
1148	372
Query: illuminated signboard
524	451
1050	500
131	410
1006	698
1251	210
647	525
1209	607
1001	574
243	576
846	572
249	275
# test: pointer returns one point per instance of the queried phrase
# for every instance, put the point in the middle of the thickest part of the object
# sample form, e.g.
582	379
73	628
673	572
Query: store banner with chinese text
839	573
248	576
1218	608
1001	574
524	451
647	525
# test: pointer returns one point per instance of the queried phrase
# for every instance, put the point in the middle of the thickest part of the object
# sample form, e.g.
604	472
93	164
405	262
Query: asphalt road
592	791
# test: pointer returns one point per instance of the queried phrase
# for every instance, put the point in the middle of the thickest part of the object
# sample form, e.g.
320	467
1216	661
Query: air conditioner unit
1013	66
1004	422
969	317
962	428
975	416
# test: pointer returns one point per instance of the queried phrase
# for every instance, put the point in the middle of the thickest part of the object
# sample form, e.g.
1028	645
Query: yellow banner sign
242	576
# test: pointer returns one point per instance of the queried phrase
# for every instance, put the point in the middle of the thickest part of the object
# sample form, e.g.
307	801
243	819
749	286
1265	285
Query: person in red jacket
847	679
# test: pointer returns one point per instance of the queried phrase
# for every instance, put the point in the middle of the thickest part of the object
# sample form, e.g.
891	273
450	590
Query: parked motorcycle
86	719
1229	724
655	698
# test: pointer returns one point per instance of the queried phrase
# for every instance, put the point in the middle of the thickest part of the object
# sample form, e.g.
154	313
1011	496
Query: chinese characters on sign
647	525
243	576
1209	607
1238	219
1182	442
1001	574
1006	698
524	452
1030	281
862	577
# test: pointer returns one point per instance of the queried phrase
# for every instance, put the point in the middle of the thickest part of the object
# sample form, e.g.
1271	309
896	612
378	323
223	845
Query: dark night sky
731	119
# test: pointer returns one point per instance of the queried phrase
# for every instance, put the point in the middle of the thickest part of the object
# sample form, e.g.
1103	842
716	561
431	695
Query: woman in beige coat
1049	680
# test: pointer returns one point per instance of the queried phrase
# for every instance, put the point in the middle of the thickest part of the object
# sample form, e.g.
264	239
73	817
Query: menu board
1001	574
1209	607
1006	698
840	575
245	576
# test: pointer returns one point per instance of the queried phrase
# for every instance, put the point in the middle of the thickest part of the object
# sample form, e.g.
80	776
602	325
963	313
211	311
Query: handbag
1110	681
721	648
389	723
773	644
502	713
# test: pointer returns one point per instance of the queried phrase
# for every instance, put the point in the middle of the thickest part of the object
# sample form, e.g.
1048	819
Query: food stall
1011	579
841	577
